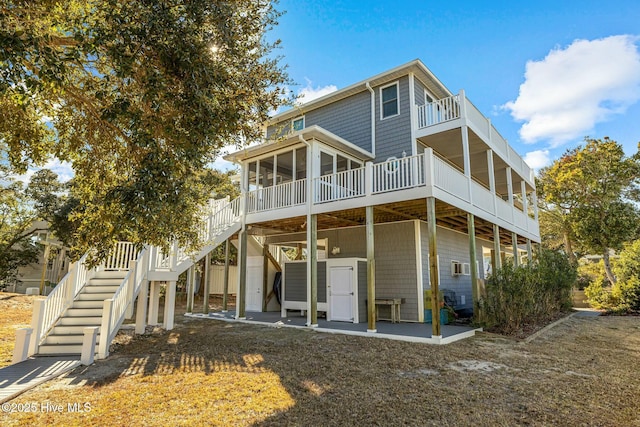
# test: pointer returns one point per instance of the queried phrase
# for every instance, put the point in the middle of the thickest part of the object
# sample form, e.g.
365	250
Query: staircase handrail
115	308
220	217
47	312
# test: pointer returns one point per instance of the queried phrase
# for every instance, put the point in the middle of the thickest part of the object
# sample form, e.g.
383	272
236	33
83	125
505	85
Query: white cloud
572	89
309	93
62	169
537	159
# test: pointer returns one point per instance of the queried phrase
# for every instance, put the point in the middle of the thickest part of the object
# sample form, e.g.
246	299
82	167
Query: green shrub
529	293
626	291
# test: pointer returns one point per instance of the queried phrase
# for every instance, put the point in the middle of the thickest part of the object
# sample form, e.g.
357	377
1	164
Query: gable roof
416	66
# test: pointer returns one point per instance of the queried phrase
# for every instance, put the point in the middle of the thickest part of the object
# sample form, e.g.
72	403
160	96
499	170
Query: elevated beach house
359	206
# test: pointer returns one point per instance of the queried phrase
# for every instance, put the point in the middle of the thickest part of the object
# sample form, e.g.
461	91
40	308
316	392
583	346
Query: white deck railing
450	179
115	308
338	186
279	196
46	312
398	174
438	111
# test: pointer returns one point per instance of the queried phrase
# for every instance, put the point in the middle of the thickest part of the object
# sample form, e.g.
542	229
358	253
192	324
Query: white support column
169	305
154	303
534	197
466	159
225	285
131	283
205	299
509	185
525	202
21	350
190	287
141	308
429	173
492	179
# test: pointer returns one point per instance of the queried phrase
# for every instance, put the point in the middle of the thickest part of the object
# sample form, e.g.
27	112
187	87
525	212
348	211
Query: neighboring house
379	192
52	265
400	151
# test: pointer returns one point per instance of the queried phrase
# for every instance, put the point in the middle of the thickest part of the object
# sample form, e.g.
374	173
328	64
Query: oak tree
139	96
595	190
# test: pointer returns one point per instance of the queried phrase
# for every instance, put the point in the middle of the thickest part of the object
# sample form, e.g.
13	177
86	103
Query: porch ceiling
447	216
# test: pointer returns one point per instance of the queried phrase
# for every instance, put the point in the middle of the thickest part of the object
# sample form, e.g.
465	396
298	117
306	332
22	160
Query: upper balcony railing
405	173
458	106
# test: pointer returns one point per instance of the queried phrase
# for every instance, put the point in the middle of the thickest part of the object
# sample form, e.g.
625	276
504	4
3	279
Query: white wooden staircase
85	311
103	297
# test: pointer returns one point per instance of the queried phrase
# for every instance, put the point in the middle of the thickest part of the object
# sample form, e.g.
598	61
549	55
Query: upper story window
297	124
390	103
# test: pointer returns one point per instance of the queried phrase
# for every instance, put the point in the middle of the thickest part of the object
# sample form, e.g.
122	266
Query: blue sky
583	76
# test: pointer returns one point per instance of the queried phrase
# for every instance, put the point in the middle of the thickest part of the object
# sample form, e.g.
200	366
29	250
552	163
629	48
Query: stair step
71	329
83	312
80	321
99	296
61	349
92	303
100	289
105	282
110	274
54	339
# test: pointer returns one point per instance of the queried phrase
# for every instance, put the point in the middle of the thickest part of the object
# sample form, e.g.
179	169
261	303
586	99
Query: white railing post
36	324
174	255
88	345
368	178
103	349
133	272
71	284
429	176
141	310
21	350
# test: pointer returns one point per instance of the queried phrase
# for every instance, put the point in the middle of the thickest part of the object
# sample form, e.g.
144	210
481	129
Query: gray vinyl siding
295	288
418	90
362	291
393	134
349	118
395	261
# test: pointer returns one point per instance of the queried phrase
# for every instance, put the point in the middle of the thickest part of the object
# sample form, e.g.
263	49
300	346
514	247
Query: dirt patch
207	372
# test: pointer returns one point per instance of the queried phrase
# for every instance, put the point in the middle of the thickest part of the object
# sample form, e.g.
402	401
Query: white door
341	293
254	288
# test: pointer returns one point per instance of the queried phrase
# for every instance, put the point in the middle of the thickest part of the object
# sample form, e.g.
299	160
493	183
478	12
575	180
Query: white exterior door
341	294
254	288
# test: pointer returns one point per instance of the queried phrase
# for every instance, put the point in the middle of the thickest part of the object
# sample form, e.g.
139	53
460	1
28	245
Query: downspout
373	120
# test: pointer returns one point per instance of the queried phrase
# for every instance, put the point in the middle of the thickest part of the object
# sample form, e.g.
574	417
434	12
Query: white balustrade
279	196
450	179
438	111
505	210
398	174
482	197
119	258
338	186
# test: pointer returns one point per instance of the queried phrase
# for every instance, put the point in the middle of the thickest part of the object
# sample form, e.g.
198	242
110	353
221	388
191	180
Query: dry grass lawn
15	313
582	372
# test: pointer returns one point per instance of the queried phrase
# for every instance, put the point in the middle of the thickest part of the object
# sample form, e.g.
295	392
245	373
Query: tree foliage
592	190
139	96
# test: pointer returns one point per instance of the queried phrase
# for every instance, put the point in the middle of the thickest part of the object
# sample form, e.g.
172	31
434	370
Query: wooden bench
394	304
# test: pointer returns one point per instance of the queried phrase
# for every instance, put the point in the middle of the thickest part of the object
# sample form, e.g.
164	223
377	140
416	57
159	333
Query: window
301	163
326	163
297	124
389	99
